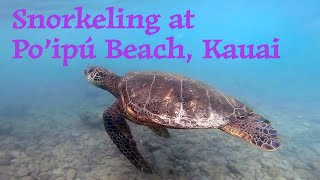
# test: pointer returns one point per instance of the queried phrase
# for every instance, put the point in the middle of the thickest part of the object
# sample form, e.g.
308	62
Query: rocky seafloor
69	142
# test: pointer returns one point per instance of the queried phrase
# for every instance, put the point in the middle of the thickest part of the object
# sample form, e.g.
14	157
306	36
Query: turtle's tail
255	130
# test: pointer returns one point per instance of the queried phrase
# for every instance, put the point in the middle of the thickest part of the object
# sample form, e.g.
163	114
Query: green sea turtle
164	100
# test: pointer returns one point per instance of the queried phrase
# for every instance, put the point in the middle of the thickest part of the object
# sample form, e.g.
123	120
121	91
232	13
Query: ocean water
50	116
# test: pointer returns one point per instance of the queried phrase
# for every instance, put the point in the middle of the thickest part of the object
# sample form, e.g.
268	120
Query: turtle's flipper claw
119	131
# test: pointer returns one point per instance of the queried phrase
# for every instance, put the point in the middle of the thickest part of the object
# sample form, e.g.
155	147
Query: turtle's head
97	75
103	78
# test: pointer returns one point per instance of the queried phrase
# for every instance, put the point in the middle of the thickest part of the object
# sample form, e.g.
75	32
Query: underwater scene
189	112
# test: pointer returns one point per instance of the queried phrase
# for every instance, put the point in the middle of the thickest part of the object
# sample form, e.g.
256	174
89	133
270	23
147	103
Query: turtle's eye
90	70
101	74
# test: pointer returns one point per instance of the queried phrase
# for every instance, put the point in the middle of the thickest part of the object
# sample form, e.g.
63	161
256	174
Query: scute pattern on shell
175	101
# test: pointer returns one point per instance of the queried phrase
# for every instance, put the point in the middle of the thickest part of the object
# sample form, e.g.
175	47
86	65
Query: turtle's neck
111	83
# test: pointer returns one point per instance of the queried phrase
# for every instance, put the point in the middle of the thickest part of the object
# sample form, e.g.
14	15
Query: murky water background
50	117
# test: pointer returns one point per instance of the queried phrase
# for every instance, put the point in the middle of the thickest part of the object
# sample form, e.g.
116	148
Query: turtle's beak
90	75
88	70
85	71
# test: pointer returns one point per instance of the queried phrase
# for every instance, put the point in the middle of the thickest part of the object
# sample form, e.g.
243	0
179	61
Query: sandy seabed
54	142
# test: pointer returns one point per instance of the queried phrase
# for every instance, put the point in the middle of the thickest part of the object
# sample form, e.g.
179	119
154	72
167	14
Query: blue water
41	101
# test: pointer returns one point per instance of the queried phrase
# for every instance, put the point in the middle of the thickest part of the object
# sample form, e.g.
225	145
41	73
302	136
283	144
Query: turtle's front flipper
160	131
119	131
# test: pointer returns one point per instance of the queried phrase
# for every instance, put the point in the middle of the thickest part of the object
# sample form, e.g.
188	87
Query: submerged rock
71	174
27	178
44	176
22	171
5	159
15	153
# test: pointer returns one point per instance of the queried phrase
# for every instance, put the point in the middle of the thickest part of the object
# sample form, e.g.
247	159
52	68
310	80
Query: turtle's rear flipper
254	130
120	133
160	131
